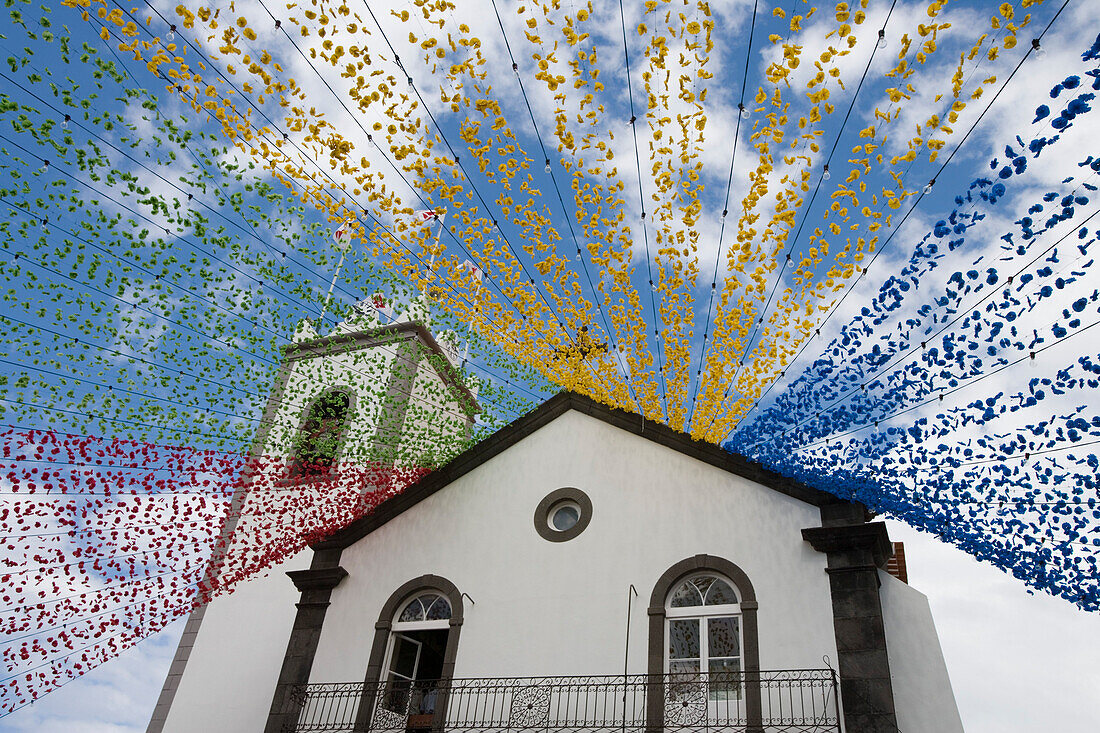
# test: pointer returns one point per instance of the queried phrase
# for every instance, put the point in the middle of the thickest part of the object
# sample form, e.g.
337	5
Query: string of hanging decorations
826	238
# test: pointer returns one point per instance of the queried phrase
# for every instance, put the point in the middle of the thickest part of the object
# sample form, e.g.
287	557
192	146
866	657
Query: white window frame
398	627
703	613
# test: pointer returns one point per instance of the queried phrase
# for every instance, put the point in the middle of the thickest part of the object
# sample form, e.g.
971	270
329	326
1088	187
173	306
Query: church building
581	569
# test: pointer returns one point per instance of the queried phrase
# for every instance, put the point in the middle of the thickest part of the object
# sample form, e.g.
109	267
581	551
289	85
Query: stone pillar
316	585
855	552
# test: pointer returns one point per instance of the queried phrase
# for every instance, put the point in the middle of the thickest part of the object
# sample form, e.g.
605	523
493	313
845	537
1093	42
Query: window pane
685	596
565	517
413	612
406	652
723	637
683	638
439	608
729	669
720	594
684	669
724	679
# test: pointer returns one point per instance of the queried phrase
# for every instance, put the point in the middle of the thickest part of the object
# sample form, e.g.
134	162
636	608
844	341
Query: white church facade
581	569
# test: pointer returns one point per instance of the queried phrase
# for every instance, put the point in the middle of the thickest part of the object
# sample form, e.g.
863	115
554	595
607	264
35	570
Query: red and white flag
430	214
342	237
472	269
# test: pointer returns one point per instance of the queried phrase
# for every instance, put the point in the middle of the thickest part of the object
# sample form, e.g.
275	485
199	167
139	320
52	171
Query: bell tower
369	393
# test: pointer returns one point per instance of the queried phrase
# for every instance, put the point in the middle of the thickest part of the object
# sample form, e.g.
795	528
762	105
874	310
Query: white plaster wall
233	668
544	608
923	698
435	421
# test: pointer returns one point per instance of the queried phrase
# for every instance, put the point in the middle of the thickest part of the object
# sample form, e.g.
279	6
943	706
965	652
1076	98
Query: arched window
703	628
413	656
318	442
418	648
703	636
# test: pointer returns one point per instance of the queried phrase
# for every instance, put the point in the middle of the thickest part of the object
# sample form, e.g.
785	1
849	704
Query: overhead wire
809	207
474	365
339	186
565	210
657	346
962	312
722	226
849	287
458	161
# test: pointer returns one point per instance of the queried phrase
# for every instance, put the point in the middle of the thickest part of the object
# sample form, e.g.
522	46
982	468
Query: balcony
783	701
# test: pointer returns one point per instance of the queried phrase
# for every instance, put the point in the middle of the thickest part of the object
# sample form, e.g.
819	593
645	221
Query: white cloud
115	697
1018	661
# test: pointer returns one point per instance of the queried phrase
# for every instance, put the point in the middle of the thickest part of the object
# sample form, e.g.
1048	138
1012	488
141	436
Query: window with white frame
703	631
418	644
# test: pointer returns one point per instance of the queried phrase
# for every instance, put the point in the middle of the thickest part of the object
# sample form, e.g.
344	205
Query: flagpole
435	246
331	286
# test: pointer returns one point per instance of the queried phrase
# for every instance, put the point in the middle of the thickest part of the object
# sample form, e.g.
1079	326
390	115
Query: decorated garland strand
185	224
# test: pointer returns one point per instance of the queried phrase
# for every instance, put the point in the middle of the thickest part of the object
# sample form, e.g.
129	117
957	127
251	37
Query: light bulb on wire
171	36
1036	49
928	188
825	174
743	111
881	38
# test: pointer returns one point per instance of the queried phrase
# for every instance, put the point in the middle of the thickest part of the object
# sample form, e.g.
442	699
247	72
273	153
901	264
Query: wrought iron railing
784	701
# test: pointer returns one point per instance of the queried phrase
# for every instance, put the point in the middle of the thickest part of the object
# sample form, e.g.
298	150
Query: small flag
382	306
342	237
429	214
474	270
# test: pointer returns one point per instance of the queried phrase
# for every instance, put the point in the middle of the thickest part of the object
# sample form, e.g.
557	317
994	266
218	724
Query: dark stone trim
317	579
395	402
382	638
175	671
871	537
854	553
316	586
533	421
383	335
655	703
542	514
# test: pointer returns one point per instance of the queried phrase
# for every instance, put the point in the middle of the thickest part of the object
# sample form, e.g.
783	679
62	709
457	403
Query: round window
563	514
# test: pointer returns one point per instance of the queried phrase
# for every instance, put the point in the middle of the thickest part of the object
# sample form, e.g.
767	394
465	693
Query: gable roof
531	422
